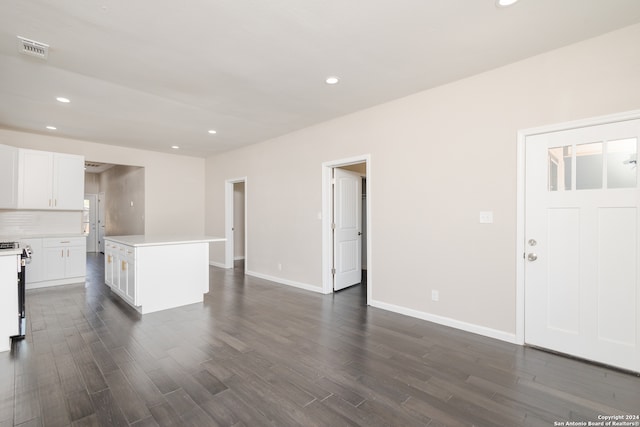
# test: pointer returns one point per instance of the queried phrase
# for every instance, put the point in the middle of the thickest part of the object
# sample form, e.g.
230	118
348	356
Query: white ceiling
155	73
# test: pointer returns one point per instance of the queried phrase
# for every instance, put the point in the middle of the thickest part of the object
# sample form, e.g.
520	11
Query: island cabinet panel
153	274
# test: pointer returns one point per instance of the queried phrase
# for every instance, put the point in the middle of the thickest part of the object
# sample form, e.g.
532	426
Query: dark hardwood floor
260	354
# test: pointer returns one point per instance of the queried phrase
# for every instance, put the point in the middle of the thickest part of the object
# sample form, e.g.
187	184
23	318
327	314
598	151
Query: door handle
532	257
359	233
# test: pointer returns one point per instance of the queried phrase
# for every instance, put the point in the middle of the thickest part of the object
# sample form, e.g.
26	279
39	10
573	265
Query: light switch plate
486	217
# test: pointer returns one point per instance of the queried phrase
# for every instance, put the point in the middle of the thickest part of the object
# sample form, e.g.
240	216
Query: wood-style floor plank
256	353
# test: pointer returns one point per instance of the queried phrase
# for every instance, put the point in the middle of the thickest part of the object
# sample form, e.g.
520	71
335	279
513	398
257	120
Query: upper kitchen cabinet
50	180
8	177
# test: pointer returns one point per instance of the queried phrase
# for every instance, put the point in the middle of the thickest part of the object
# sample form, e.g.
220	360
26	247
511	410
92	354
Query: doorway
578	227
236	223
345	211
90	221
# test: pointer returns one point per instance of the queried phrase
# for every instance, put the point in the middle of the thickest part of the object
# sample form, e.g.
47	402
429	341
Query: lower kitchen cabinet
64	259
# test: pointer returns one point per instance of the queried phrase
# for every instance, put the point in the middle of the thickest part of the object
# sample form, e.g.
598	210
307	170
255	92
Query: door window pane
559	169
589	166
621	163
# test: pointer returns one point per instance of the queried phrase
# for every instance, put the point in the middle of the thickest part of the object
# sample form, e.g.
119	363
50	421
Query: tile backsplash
18	223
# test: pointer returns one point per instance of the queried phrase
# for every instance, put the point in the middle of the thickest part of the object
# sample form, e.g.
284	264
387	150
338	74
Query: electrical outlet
435	295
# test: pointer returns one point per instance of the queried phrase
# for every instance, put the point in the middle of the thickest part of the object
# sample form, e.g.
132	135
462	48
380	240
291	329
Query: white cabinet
110	261
8	177
50	180
120	270
64	258
154	273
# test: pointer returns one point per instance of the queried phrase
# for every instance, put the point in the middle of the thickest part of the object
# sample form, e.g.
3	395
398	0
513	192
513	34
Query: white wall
124	200
437	158
174	185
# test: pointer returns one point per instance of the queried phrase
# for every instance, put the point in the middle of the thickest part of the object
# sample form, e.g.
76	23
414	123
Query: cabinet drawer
51	242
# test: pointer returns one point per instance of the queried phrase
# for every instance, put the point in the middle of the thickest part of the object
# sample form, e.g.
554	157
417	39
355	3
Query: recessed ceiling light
212	132
52	127
505	3
175	147
332	80
63	100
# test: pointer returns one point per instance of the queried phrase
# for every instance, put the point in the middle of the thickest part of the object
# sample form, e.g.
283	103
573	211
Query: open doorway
235	223
119	208
346	213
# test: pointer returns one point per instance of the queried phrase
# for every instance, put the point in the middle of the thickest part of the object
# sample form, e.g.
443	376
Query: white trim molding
228	221
327	233
446	321
286	282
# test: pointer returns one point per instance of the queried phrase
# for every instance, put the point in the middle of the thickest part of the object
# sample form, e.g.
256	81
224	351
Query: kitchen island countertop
158	240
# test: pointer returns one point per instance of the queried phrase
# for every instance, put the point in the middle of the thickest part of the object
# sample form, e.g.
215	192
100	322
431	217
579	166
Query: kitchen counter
8	252
153	273
144	240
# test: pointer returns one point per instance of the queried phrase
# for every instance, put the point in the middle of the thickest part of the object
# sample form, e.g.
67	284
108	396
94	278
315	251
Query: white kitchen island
153	273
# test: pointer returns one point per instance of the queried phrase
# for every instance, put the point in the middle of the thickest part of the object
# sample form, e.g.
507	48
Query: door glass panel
589	166
559	169
621	163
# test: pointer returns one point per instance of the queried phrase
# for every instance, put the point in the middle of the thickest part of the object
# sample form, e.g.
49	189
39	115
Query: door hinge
333	225
333	271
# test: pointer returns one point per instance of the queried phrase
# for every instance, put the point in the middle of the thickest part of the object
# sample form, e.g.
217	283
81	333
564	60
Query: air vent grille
33	48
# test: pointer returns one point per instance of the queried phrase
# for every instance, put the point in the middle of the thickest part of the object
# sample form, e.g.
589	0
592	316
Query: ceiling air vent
33	48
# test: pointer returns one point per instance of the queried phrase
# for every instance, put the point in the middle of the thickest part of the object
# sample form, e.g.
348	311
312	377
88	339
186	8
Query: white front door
347	205
582	293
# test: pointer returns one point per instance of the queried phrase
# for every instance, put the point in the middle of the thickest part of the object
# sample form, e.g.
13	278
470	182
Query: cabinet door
76	261
131	282
108	265
122	272
8	177
68	182
35	179
54	263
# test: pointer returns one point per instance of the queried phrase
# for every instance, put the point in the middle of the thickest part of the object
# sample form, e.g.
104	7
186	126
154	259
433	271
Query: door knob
532	257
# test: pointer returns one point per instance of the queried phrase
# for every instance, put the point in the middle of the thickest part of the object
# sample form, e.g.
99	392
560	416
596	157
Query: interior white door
582	291
347	242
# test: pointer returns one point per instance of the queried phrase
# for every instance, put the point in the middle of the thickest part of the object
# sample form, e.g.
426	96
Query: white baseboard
239	258
51	283
446	321
217	264
287	282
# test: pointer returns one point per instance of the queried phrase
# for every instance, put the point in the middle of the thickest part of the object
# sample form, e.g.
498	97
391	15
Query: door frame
520	208
93	201
228	222
327	214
